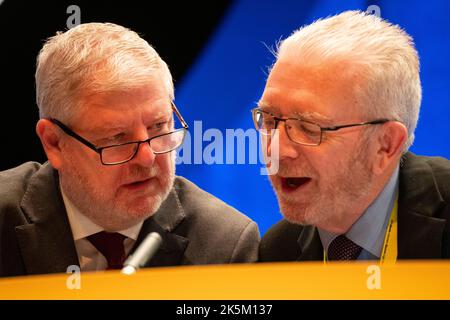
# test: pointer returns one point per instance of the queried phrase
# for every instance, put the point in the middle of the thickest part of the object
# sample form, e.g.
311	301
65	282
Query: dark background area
178	30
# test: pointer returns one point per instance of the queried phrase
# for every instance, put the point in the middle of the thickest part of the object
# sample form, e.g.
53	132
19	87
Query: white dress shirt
82	227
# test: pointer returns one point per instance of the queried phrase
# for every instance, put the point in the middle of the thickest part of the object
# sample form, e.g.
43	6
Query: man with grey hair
341	102
108	127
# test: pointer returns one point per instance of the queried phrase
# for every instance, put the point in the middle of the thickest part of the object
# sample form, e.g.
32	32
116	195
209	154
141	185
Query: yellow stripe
304	280
389	252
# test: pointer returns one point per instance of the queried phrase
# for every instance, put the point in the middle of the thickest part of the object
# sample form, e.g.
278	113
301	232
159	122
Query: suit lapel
310	245
164	221
419	231
46	243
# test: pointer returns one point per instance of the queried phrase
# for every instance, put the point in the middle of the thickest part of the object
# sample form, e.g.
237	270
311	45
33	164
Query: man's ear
51	141
389	145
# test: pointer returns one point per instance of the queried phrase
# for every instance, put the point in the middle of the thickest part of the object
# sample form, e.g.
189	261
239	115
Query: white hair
379	52
89	59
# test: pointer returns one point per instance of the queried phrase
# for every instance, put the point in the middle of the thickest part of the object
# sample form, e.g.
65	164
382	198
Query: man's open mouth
293	183
138	184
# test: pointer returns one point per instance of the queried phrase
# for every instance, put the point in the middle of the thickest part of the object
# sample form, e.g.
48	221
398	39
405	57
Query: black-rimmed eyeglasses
124	152
298	130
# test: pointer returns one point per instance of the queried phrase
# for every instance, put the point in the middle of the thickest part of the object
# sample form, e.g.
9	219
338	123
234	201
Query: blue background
229	75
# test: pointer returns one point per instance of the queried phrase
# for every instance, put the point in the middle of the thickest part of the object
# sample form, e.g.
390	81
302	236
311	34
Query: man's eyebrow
112	129
105	130
161	117
261	104
105	138
309	116
266	107
314	117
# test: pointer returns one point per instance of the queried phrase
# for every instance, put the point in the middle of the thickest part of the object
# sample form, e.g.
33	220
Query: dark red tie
342	248
111	246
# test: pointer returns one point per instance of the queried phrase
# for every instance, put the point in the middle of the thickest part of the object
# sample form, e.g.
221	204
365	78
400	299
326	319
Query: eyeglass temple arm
183	122
380	121
74	135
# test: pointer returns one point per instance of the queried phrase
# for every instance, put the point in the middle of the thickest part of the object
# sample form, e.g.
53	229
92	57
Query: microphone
142	254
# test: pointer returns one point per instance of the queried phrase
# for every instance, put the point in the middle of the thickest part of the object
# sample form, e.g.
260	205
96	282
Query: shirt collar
369	230
83	227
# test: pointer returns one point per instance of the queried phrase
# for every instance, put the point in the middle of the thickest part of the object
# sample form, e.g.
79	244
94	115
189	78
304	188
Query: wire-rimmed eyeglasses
299	130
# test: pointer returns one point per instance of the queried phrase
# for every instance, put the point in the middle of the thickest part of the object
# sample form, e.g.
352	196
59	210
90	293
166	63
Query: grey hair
89	59
379	52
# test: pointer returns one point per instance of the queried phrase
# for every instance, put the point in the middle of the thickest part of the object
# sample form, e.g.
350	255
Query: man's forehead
323	92
104	117
289	99
319	71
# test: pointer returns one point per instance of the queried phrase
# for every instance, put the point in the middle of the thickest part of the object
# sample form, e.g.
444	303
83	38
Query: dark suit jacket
423	218
36	238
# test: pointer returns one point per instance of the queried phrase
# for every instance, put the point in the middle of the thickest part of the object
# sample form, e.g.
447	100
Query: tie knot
110	244
342	248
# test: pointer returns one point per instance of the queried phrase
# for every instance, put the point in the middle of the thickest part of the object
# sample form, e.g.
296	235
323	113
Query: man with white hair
107	125
342	102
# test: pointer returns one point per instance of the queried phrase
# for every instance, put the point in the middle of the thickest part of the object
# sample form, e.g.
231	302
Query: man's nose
145	155
287	148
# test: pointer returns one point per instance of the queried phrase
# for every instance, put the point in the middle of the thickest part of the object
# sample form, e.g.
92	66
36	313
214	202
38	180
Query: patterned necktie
111	246
342	248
